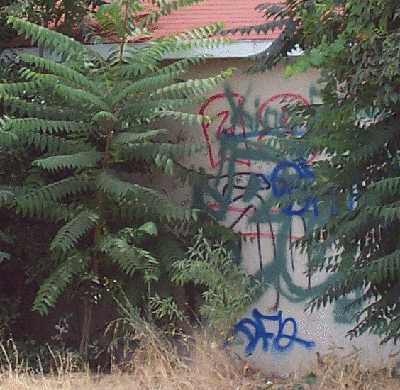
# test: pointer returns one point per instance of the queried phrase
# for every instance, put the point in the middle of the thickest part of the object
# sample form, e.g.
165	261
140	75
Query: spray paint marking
224	118
264	201
255	329
272	116
280	121
244	192
281	187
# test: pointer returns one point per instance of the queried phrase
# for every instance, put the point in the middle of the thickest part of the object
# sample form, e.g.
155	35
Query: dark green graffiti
263	196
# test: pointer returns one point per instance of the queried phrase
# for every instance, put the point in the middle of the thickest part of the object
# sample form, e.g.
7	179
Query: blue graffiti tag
270	201
254	329
282	186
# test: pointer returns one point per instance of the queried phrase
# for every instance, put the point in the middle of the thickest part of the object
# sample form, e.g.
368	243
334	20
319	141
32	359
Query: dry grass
207	367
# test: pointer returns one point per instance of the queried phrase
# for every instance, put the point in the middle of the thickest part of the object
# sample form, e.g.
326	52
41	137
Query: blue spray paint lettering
268	196
255	331
281	186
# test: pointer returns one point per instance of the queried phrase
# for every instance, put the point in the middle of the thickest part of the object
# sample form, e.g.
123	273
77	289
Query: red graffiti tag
214	132
220	129
279	104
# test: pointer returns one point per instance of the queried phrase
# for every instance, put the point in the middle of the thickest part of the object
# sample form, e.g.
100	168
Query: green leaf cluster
228	290
90	134
354	44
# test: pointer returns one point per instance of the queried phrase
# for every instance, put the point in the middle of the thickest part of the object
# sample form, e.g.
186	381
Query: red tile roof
234	13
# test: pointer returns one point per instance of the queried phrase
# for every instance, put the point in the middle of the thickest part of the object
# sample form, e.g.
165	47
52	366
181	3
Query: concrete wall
277	334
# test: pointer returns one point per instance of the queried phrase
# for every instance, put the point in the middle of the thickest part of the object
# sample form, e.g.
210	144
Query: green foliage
6	33
228	290
65	16
86	129
129	257
354	44
132	332
73	231
58	281
166	311
281	17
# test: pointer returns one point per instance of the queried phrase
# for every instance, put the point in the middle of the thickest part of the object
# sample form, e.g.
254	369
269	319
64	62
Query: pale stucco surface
319	326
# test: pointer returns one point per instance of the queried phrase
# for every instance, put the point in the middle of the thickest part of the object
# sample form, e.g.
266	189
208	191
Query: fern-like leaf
192	87
131	258
180	116
21	107
63	71
29	125
72	161
55	192
70	234
51	40
48	211
53	287
133	137
150	200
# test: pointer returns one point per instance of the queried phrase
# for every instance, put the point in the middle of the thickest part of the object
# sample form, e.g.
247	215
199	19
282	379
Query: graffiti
242	193
265	198
277	118
224	117
282	187
255	329
271	119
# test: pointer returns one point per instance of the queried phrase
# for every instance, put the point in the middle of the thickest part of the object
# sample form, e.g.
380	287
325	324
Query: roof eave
234	49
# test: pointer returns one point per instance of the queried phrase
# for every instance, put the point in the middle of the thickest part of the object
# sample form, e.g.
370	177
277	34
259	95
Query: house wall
277	334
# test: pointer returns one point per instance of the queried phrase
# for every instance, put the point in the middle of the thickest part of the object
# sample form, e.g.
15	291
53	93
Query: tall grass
205	366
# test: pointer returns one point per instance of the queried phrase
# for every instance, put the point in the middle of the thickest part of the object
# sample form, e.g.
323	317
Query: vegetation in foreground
354	45
207	366
359	43
82	155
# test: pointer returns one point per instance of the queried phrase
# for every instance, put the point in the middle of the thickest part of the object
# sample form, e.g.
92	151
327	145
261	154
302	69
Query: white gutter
235	49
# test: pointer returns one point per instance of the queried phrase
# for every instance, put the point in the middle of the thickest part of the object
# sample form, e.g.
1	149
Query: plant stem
125	37
94	269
